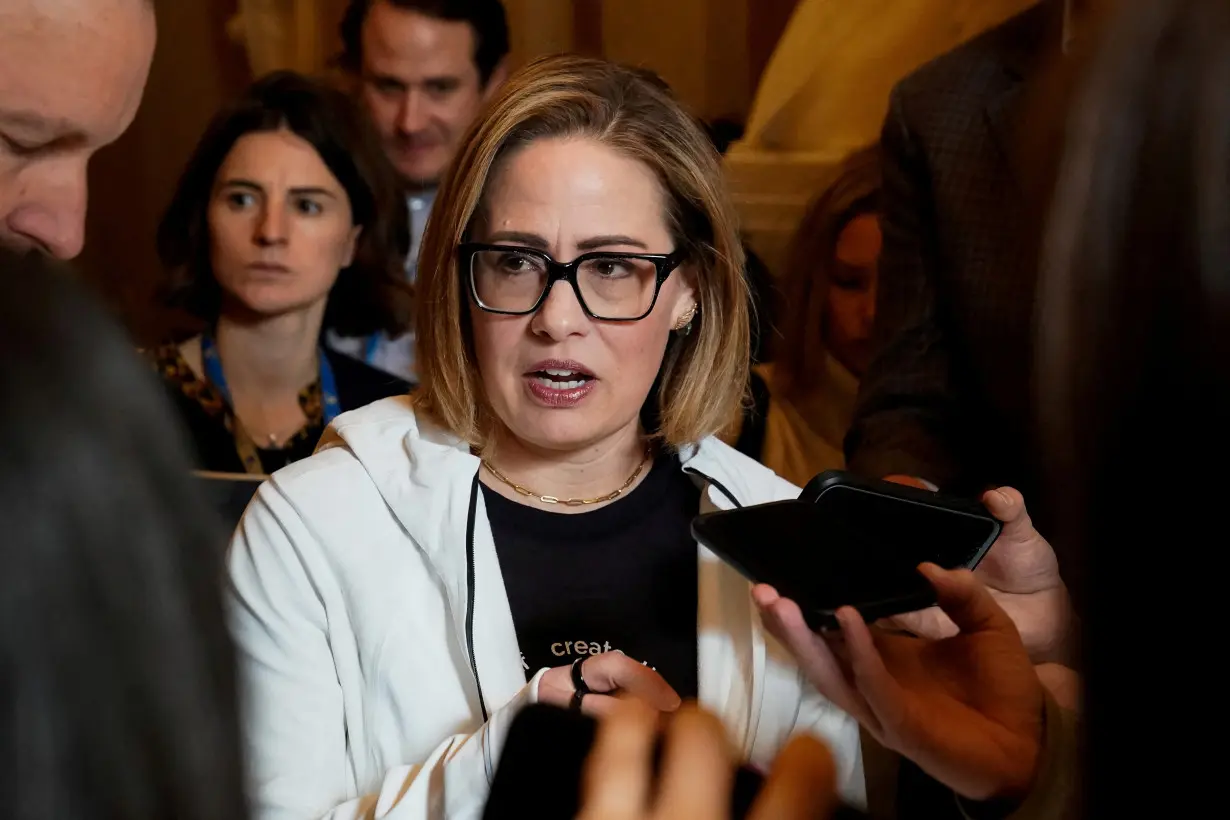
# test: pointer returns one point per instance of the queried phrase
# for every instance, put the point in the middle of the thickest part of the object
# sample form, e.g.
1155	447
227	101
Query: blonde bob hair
703	377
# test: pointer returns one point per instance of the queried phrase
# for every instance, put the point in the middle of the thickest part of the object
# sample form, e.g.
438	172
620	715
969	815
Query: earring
684	326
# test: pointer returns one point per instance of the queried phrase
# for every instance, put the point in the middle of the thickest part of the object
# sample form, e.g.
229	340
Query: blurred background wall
824	94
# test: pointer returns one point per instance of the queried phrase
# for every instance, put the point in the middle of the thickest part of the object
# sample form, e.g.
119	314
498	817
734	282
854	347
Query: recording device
850	541
539	773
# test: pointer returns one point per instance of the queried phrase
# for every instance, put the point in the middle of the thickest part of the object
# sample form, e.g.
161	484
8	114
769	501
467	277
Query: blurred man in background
424	68
71	77
946	399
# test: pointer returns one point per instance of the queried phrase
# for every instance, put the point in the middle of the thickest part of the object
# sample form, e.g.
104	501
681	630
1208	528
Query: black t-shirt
620	577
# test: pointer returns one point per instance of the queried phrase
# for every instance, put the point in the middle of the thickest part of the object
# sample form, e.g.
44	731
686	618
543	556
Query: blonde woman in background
518	531
804	397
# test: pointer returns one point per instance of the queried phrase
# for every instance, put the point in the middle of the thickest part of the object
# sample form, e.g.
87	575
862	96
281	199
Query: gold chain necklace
568	502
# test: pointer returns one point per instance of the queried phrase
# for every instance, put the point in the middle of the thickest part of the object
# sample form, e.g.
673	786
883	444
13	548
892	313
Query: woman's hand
967	709
610	676
697	773
1022	573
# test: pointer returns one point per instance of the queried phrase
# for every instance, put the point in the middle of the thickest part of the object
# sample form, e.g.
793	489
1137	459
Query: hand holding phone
560	765
1022	573
967	709
546	772
688	771
849	541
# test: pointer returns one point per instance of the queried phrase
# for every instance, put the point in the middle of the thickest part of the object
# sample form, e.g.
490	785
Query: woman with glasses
518	530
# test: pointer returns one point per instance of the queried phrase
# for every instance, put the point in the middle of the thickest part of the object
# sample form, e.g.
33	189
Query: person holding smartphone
1146	310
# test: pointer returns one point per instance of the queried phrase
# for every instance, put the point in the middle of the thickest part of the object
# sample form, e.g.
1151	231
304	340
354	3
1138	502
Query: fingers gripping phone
850	541
540	769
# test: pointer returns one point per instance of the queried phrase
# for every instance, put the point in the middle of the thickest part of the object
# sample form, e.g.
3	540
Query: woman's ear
687	302
352	244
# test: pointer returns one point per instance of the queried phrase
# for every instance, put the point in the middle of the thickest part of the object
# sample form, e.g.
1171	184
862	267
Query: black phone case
819	620
839	478
826	619
831	479
539	772
540	768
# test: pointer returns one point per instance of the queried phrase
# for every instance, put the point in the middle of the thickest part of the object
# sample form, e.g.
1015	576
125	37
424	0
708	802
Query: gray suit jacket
947	396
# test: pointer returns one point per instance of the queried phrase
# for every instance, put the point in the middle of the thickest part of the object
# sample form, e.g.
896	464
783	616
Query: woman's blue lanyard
330	406
371	347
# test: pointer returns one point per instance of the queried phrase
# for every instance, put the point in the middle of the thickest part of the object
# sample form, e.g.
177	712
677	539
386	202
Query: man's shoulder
959	76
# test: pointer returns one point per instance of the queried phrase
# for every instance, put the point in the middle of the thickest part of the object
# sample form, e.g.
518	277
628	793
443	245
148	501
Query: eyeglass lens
612	286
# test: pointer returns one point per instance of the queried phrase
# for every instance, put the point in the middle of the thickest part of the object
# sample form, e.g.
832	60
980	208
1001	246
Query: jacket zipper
482	703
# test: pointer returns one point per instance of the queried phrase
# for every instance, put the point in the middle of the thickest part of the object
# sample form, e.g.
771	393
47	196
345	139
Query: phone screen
849	547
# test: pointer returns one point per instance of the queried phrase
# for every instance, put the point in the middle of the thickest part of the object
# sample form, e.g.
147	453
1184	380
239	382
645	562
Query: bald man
71	77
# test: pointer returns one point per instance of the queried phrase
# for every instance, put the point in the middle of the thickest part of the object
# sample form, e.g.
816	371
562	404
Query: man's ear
498	75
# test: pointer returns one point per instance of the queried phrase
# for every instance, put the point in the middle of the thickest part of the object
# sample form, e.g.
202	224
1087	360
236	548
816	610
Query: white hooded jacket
368	621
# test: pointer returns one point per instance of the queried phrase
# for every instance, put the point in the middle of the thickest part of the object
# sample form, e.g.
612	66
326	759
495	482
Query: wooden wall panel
196	68
765	23
699	46
587	27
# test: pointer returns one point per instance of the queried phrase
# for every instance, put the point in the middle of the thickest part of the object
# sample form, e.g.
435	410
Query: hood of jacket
425	474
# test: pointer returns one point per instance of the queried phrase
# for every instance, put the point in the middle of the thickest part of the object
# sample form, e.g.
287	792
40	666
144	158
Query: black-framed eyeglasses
611	287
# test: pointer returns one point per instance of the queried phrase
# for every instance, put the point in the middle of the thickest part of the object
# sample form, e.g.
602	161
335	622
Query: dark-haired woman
286	224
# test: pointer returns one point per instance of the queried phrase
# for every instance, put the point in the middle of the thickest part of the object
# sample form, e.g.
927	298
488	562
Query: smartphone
850	541
539	771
